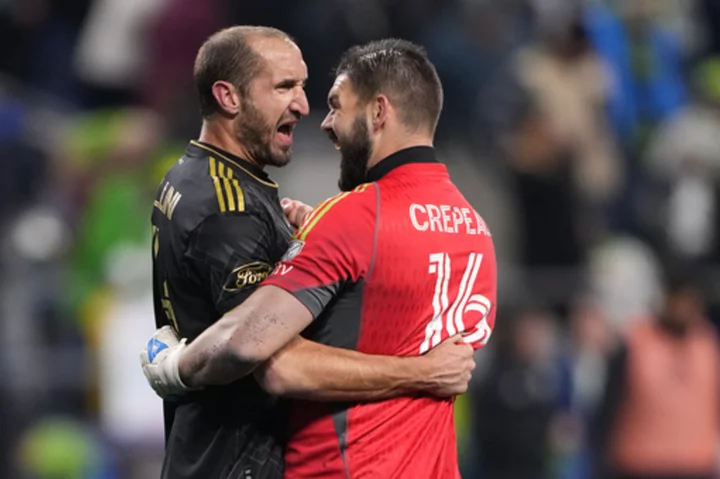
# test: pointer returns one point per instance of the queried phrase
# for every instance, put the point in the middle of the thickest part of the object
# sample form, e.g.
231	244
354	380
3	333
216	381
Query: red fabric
403	271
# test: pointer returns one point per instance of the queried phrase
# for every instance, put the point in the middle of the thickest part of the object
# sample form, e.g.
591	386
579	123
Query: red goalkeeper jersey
393	267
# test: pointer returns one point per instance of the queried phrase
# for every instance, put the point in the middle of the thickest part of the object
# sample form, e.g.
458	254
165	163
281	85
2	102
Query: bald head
231	55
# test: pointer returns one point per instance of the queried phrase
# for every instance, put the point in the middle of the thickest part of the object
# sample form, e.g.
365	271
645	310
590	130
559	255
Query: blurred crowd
587	133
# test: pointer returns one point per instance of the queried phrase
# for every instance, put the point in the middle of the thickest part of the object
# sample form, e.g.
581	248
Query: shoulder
336	241
197	188
356	208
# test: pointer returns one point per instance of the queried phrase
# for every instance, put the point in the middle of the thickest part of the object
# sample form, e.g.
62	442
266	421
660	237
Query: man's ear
379	111
227	97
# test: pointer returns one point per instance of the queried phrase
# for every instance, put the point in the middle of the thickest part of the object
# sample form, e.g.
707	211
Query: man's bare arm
244	338
307	370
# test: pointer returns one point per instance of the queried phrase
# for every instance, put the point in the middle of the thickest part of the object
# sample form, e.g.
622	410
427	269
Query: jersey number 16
452	317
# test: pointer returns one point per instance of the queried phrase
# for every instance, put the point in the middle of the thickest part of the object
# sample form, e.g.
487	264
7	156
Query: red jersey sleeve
333	248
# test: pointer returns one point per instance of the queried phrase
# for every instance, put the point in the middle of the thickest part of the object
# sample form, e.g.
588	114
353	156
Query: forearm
211	360
243	338
308	370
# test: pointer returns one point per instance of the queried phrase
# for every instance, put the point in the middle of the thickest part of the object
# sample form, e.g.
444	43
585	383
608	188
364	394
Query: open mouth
285	132
333	137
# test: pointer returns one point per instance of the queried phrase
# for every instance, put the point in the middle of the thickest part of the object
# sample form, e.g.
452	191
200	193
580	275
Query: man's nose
300	104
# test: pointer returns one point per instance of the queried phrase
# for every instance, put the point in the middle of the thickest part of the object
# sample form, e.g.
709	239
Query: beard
355	154
255	133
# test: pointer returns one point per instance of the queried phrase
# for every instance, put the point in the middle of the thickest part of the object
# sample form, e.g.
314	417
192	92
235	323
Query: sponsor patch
248	275
293	250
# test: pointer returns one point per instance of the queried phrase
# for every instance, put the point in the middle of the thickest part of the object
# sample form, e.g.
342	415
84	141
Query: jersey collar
244	164
414	154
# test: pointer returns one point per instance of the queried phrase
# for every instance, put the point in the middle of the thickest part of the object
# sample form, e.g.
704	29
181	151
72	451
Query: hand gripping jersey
393	267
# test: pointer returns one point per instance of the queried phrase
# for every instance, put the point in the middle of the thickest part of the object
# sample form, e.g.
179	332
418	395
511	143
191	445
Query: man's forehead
282	57
341	85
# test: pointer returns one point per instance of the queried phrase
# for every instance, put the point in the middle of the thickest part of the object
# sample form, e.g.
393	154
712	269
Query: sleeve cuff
315	299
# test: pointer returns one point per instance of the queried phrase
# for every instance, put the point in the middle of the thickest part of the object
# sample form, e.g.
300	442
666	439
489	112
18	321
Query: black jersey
218	228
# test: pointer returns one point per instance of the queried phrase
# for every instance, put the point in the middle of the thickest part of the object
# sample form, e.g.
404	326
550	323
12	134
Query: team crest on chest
293	250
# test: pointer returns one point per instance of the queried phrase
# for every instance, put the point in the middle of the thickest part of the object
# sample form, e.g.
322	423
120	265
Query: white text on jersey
447	219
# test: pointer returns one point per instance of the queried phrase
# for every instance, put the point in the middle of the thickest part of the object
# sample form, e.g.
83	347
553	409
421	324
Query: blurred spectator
645	61
709	14
112	152
591	341
112	50
467	44
173	35
680	19
37	40
623	274
548	209
570	86
25	159
660	416
684	158
61	448
514	406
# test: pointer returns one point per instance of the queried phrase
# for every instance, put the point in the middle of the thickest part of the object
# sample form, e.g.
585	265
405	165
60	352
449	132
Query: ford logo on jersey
248	275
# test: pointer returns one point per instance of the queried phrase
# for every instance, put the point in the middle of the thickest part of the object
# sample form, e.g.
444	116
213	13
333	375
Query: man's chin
278	160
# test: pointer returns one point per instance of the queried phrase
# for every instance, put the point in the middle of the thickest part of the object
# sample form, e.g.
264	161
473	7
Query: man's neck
222	137
387	149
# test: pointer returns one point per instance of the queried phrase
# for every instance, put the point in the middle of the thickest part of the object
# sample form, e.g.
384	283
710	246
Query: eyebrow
291	82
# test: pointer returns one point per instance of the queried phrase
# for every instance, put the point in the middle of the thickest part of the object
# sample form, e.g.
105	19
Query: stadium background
587	135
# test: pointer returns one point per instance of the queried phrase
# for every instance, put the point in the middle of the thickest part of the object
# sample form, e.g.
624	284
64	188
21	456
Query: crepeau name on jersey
447	219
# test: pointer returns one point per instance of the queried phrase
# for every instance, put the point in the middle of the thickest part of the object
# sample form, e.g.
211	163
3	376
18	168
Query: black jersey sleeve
229	256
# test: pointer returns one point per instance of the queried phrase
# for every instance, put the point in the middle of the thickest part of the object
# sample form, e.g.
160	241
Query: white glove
159	360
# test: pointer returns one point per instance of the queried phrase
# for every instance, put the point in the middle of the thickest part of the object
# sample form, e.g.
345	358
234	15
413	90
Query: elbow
247	357
272	380
284	373
239	355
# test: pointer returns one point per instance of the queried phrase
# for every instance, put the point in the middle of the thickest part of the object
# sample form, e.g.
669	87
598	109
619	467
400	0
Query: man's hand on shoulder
448	367
159	360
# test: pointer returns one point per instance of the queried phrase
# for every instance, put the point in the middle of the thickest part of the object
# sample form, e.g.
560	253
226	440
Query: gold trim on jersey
156	241
168	307
362	187
217	153
322	209
227	189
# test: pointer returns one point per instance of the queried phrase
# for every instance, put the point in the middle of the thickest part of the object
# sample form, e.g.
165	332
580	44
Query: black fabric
605	421
338	324
223	248
218	442
340	421
207	258
415	154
